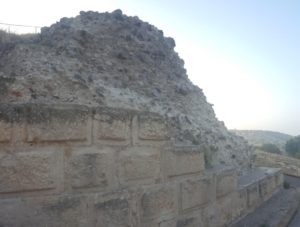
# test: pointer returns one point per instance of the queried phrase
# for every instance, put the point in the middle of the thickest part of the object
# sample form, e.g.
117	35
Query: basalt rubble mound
110	59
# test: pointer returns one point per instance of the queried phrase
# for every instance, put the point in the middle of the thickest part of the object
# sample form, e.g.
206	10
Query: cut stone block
184	160
28	171
240	203
253	195
92	167
264	188
196	193
112	213
226	182
48	211
152	127
210	216
226	210
112	125
52	124
159	203
5	131
140	163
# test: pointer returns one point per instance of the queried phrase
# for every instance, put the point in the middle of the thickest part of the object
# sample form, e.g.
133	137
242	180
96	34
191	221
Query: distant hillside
260	137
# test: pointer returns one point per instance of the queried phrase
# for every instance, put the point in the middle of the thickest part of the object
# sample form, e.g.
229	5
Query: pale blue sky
243	54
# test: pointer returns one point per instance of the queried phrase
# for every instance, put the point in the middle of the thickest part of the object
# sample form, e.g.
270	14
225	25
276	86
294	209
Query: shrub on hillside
292	147
271	148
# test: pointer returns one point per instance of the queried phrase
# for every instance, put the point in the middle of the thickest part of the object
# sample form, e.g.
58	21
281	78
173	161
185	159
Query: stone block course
49	211
112	125
152	127
226	209
138	163
91	167
159	203
27	171
5	131
112	213
55	124
195	193
226	182
240	203
253	196
183	161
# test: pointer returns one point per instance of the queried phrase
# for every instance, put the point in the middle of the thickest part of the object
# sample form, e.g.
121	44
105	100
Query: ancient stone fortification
71	165
117	61
100	126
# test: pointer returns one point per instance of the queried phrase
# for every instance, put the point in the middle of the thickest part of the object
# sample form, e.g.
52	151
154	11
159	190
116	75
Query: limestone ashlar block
54	124
138	163
5	131
253	197
196	193
264	190
29	171
91	167
48	211
160	203
152	127
210	215
112	213
279	179
226	182
240	203
183	161
226	210
112	125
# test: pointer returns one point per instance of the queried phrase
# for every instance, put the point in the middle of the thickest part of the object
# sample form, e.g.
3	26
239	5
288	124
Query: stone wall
71	165
289	165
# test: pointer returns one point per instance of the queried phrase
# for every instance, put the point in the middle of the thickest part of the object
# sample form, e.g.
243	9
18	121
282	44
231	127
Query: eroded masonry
100	126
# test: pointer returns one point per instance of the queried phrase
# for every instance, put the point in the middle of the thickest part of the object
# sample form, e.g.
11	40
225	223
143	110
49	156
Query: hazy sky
245	55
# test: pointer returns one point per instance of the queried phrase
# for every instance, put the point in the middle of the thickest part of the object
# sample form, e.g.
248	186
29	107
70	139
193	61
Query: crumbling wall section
71	165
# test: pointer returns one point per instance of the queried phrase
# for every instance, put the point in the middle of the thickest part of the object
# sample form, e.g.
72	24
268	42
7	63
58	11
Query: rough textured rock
110	59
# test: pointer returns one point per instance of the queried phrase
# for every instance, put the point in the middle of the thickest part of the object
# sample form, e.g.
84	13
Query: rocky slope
260	137
119	61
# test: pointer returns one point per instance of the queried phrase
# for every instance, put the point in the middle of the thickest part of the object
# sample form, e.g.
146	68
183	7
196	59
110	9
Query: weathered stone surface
159	203
151	127
92	167
103	59
196	193
49	211
240	203
184	160
210	215
226	182
5	131
226	210
52	124
253	195
113	213
27	171
137	163
189	222
112	125
279	179
264	189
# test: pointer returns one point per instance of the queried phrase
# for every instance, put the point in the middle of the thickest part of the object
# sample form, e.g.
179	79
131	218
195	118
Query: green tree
292	147
271	148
